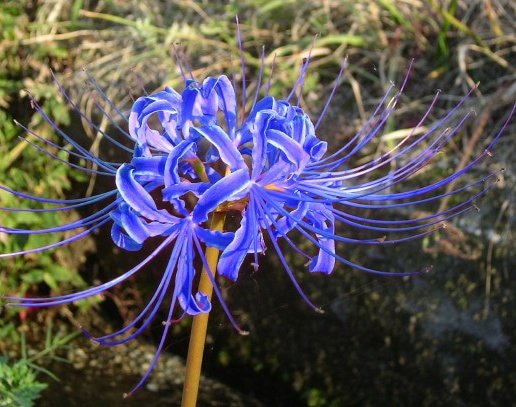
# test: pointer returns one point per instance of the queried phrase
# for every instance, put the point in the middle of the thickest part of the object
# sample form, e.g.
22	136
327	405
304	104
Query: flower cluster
192	157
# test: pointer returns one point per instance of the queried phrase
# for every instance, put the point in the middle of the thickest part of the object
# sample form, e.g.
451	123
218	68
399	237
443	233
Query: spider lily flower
269	168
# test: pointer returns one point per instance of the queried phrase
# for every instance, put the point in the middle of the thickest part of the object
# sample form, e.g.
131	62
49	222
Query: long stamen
102	221
336	84
219	295
68	298
260	77
269	81
55	157
103	95
242	65
301	78
154	303
86	118
265	214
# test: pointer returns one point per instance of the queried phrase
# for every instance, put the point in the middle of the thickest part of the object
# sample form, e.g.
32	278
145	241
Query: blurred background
444	338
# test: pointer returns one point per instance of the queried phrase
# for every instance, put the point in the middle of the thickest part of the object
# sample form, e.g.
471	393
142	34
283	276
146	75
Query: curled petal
202	102
286	223
122	240
167	105
292	150
182	188
233	255
302	126
149	168
137	228
171	170
125	217
228	153
322	218
315	148
257	129
227	99
229	188
184	283
214	238
137	197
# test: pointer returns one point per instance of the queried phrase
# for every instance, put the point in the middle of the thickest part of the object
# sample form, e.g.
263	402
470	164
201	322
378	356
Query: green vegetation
19	384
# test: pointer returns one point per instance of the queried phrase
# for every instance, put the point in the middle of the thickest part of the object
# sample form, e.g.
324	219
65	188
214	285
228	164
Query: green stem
200	323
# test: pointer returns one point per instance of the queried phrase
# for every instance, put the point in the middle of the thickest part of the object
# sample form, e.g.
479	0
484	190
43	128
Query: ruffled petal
227	101
229	188
257	129
137	197
293	151
171	170
166	105
149	168
122	240
184	283
233	256
214	238
228	153
322	218
175	191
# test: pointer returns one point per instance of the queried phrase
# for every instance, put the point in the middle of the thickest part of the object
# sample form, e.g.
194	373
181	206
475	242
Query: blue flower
192	156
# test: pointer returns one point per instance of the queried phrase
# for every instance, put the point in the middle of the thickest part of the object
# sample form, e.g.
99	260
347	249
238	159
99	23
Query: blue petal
267	103
161	229
214	238
302	126
233	256
316	148
149	168
203	302
137	197
190	109
292	150
177	190
122	240
167	105
278	172
227	101
323	219
173	160
184	283
139	229
222	142
227	189
202	102
130	222
286	223
257	128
